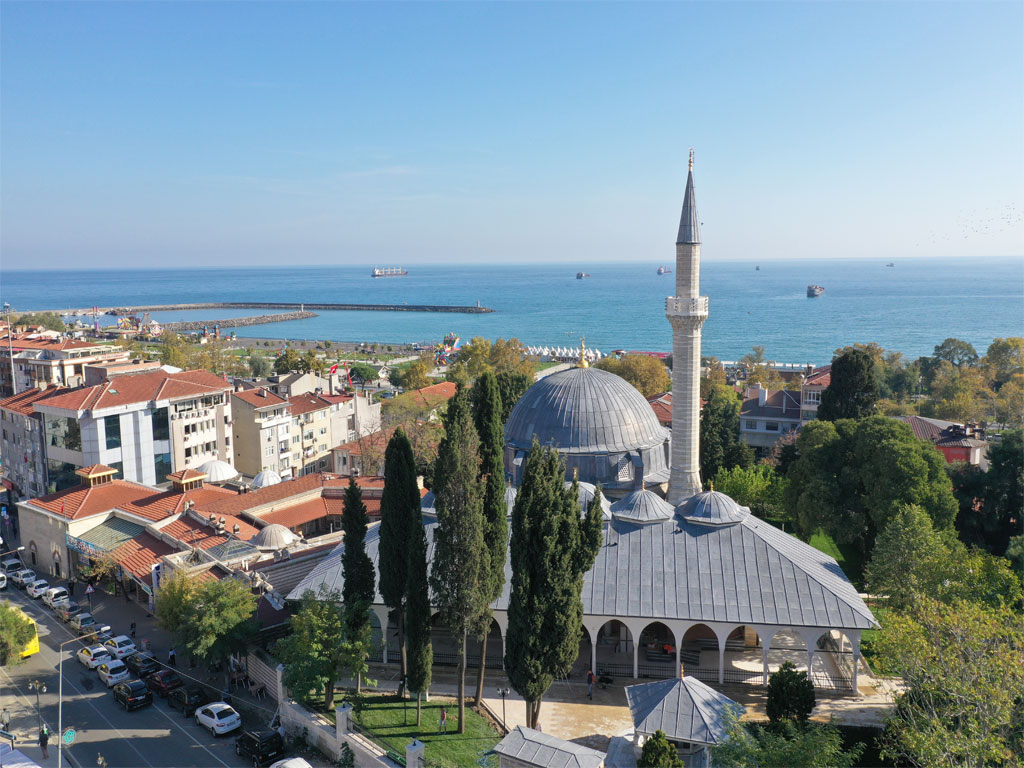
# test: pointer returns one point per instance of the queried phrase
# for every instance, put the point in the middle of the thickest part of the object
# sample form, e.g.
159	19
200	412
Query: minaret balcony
676	307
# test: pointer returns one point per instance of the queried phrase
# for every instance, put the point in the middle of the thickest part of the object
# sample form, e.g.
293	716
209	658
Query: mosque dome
587	491
265	478
712	508
217	471
602	426
642	507
274	536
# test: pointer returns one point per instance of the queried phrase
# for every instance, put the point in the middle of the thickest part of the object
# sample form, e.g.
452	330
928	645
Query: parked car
121	646
67	610
92	657
36	589
291	762
11	565
54	596
22	578
260	746
218	718
142	664
113	672
187	699
83	623
132	694
3	581
164	681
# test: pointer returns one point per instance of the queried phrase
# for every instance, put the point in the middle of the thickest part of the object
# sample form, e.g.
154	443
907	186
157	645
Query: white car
11	565
54	596
291	762
218	717
23	577
3	581
93	657
113	672
37	588
120	646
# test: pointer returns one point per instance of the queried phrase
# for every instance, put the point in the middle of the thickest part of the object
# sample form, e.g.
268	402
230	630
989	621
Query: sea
909	307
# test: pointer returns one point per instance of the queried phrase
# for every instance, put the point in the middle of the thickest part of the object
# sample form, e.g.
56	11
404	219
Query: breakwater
301	306
236	322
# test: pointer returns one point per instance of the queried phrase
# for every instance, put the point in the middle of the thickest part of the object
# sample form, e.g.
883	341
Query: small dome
712	508
642	507
217	471
274	536
587	491
265	478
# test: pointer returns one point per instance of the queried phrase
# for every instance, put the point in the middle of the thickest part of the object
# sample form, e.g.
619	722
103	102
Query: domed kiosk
604	429
274	536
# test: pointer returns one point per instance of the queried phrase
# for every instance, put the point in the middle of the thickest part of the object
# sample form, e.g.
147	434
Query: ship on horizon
664	271
814	291
388	272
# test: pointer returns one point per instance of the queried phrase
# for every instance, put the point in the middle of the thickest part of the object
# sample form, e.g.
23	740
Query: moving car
94	656
22	578
121	646
66	611
113	672
164	681
260	746
142	664
132	694
37	588
188	700
218	718
54	596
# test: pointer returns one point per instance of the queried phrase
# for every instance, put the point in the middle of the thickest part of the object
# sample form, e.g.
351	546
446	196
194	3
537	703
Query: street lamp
60	694
10	347
12	551
503	692
39	687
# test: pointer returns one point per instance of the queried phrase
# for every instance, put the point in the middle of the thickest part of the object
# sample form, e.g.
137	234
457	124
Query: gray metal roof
748	573
535	748
686	710
689	224
642	507
587	491
112	533
584	410
713	508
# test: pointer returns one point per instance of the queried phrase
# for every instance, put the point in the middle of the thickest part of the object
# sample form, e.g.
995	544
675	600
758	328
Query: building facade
41	361
23	442
767	415
263	432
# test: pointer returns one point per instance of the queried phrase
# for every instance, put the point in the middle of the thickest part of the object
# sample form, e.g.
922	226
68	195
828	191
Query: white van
11	565
54	596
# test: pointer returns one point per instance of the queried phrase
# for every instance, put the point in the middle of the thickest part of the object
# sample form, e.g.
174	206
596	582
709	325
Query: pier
236	322
301	306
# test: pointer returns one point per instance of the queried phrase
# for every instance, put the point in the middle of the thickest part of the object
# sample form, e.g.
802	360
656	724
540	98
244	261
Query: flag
334	368
348	373
62	506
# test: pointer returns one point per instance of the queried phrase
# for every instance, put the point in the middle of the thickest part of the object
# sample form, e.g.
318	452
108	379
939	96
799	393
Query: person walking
590	684
5	720
131	633
444	720
44	739
71	587
172	658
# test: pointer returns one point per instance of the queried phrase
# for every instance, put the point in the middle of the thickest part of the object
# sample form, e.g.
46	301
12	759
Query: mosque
686	579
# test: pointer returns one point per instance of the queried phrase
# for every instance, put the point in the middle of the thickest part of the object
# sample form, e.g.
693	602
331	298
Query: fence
264	671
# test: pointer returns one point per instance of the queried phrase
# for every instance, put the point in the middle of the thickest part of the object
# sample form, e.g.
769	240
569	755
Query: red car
163	682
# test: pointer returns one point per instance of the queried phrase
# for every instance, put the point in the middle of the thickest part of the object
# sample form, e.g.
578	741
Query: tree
173	603
647	374
487	420
790	744
552	547
853	475
311	362
460	576
417	620
956	351
287	361
512	385
1004	359
399	516
759	487
363	372
259	365
15	633
314	650
761	370
174	350
416	375
790	694
962	666
358	587
853	388
51	321
658	752
720	444
1004	490
221	620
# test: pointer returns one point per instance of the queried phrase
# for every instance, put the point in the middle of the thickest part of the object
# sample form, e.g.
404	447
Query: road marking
187	733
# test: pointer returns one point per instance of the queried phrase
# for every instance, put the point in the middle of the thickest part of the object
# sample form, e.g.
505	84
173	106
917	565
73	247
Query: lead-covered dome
274	536
712	508
642	507
601	425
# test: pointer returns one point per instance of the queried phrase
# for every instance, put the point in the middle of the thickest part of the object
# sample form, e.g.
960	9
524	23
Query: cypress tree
399	516
460	576
552	546
417	619
487	418
853	389
357	570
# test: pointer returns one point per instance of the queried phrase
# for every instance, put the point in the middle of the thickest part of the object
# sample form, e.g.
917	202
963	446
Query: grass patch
847	556
869	640
539	366
385	715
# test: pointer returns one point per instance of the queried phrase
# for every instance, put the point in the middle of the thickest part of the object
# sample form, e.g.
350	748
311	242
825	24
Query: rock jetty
237	322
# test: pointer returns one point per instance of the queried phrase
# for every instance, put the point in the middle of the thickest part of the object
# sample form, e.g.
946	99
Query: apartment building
816	382
262	430
766	415
22	441
40	361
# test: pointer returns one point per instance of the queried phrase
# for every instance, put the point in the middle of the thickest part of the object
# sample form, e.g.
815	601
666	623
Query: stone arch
613	643
658	650
56	565
833	659
785	644
32	552
700	652
743	652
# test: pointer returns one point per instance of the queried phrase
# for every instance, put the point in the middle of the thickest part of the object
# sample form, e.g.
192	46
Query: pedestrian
44	739
444	720
71	587
131	634
172	658
590	684
5	720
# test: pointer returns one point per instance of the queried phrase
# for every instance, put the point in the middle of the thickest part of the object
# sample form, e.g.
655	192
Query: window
812	398
771	426
283	446
63	432
119	466
323	430
751	425
161	427
112	430
295	439
188	453
61	475
269	451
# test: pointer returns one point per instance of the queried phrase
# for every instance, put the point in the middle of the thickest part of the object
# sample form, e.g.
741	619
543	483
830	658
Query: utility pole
10	347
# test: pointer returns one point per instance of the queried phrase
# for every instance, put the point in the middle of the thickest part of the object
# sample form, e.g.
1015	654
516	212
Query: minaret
686	311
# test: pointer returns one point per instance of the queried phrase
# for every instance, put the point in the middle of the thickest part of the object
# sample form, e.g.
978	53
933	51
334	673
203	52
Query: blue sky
154	134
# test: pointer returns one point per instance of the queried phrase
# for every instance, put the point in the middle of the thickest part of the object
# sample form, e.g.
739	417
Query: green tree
956	351
501	356
790	694
974	524
174	350
259	366
51	321
15	633
1004	490
358	587
552	547
460	575
760	487
512	385
962	666
487	420
1004	359
173	602
658	752
720	444
790	744
647	374
314	651
416	375
399	519
417	620
311	362
287	361
853	388
363	373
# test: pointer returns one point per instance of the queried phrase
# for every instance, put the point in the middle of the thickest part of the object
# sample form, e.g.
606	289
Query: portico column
593	654
810	662
721	661
679	661
764	654
636	671
855	641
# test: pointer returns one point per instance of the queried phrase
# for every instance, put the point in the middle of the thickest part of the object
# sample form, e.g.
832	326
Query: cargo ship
664	271
581	275
814	291
389	272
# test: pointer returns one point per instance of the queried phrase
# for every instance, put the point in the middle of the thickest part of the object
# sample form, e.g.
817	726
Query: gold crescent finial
711	485
691	158
583	352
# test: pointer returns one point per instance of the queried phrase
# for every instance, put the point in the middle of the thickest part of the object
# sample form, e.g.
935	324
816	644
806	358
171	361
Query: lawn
385	716
848	557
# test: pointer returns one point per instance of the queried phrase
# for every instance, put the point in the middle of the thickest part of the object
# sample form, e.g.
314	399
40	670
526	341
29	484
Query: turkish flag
334	368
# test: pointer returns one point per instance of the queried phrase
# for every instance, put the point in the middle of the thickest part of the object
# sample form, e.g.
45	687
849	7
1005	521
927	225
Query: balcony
687	307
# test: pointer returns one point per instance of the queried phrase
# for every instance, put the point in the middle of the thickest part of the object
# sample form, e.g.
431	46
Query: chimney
762	395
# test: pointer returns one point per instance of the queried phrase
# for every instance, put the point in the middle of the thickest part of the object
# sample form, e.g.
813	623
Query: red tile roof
140	388
296	515
140	554
158	506
79	502
23	401
187	475
307	403
282	491
259	398
195	533
431	396
819	377
379	439
20	341
662	407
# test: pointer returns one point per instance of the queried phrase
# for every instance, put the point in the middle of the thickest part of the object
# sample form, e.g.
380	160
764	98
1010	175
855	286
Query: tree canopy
15	633
51	321
790	744
853	387
790	694
956	351
720	445
512	385
314	652
359	585
648	374
288	360
659	752
759	487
